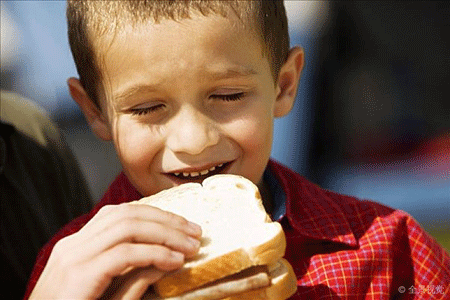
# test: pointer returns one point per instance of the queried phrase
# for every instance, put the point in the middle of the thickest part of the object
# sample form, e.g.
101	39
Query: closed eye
146	110
228	97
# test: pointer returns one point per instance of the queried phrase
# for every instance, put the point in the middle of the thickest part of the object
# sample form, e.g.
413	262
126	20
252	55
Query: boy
187	89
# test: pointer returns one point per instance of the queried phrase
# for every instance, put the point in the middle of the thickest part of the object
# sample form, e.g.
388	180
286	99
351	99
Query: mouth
200	174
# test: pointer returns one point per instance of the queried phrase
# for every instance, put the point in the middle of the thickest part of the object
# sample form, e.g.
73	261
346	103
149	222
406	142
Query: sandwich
241	253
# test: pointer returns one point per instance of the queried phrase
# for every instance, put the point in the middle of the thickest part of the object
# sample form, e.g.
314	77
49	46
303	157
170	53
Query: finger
111	214
134	284
123	257
169	219
137	231
119	260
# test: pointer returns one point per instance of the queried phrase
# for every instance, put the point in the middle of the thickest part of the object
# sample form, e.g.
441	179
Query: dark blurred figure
41	188
385	87
382	121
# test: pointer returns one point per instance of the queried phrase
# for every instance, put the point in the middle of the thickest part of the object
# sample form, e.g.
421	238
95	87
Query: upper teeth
198	173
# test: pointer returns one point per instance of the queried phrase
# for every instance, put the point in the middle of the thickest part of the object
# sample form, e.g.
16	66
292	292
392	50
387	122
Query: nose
191	132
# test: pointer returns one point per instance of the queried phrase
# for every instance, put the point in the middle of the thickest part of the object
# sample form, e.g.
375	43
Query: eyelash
150	109
229	97
146	110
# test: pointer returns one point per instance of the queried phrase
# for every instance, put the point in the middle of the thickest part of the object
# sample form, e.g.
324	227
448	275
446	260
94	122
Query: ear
95	118
288	80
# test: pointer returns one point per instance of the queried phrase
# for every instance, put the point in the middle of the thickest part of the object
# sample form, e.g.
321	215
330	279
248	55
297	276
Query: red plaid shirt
340	247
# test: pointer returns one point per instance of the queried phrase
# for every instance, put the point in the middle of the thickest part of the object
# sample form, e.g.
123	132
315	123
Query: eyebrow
134	90
235	71
232	72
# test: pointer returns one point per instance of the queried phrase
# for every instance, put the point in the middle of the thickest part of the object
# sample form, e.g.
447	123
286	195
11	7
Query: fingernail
194	229
194	242
178	256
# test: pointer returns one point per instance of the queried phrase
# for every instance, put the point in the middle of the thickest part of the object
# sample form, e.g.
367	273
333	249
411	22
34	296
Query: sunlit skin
197	109
182	97
179	97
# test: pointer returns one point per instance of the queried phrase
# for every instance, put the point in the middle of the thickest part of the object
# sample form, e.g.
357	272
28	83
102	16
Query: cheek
254	138
136	145
259	138
254	134
257	125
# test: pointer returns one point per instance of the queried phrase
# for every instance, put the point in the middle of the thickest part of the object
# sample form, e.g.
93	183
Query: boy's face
187	99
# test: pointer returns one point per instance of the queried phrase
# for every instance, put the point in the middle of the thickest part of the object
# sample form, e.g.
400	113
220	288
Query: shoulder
304	194
329	214
366	226
394	235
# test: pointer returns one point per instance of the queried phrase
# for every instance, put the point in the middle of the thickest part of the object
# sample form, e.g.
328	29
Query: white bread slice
282	285
237	232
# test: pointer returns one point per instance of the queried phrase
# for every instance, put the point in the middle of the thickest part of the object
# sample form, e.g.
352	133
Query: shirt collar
312	211
278	196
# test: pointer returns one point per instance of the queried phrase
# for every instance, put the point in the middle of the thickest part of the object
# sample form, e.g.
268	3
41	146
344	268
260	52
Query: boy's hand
130	244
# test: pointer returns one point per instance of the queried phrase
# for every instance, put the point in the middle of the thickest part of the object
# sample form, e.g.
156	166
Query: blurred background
372	117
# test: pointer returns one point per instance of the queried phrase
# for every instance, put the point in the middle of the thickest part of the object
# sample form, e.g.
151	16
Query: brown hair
87	19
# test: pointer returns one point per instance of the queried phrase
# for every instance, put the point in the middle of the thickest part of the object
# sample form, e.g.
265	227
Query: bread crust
188	279
283	284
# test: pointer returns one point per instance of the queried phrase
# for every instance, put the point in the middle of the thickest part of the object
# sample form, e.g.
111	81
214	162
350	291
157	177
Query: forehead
199	46
107	30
